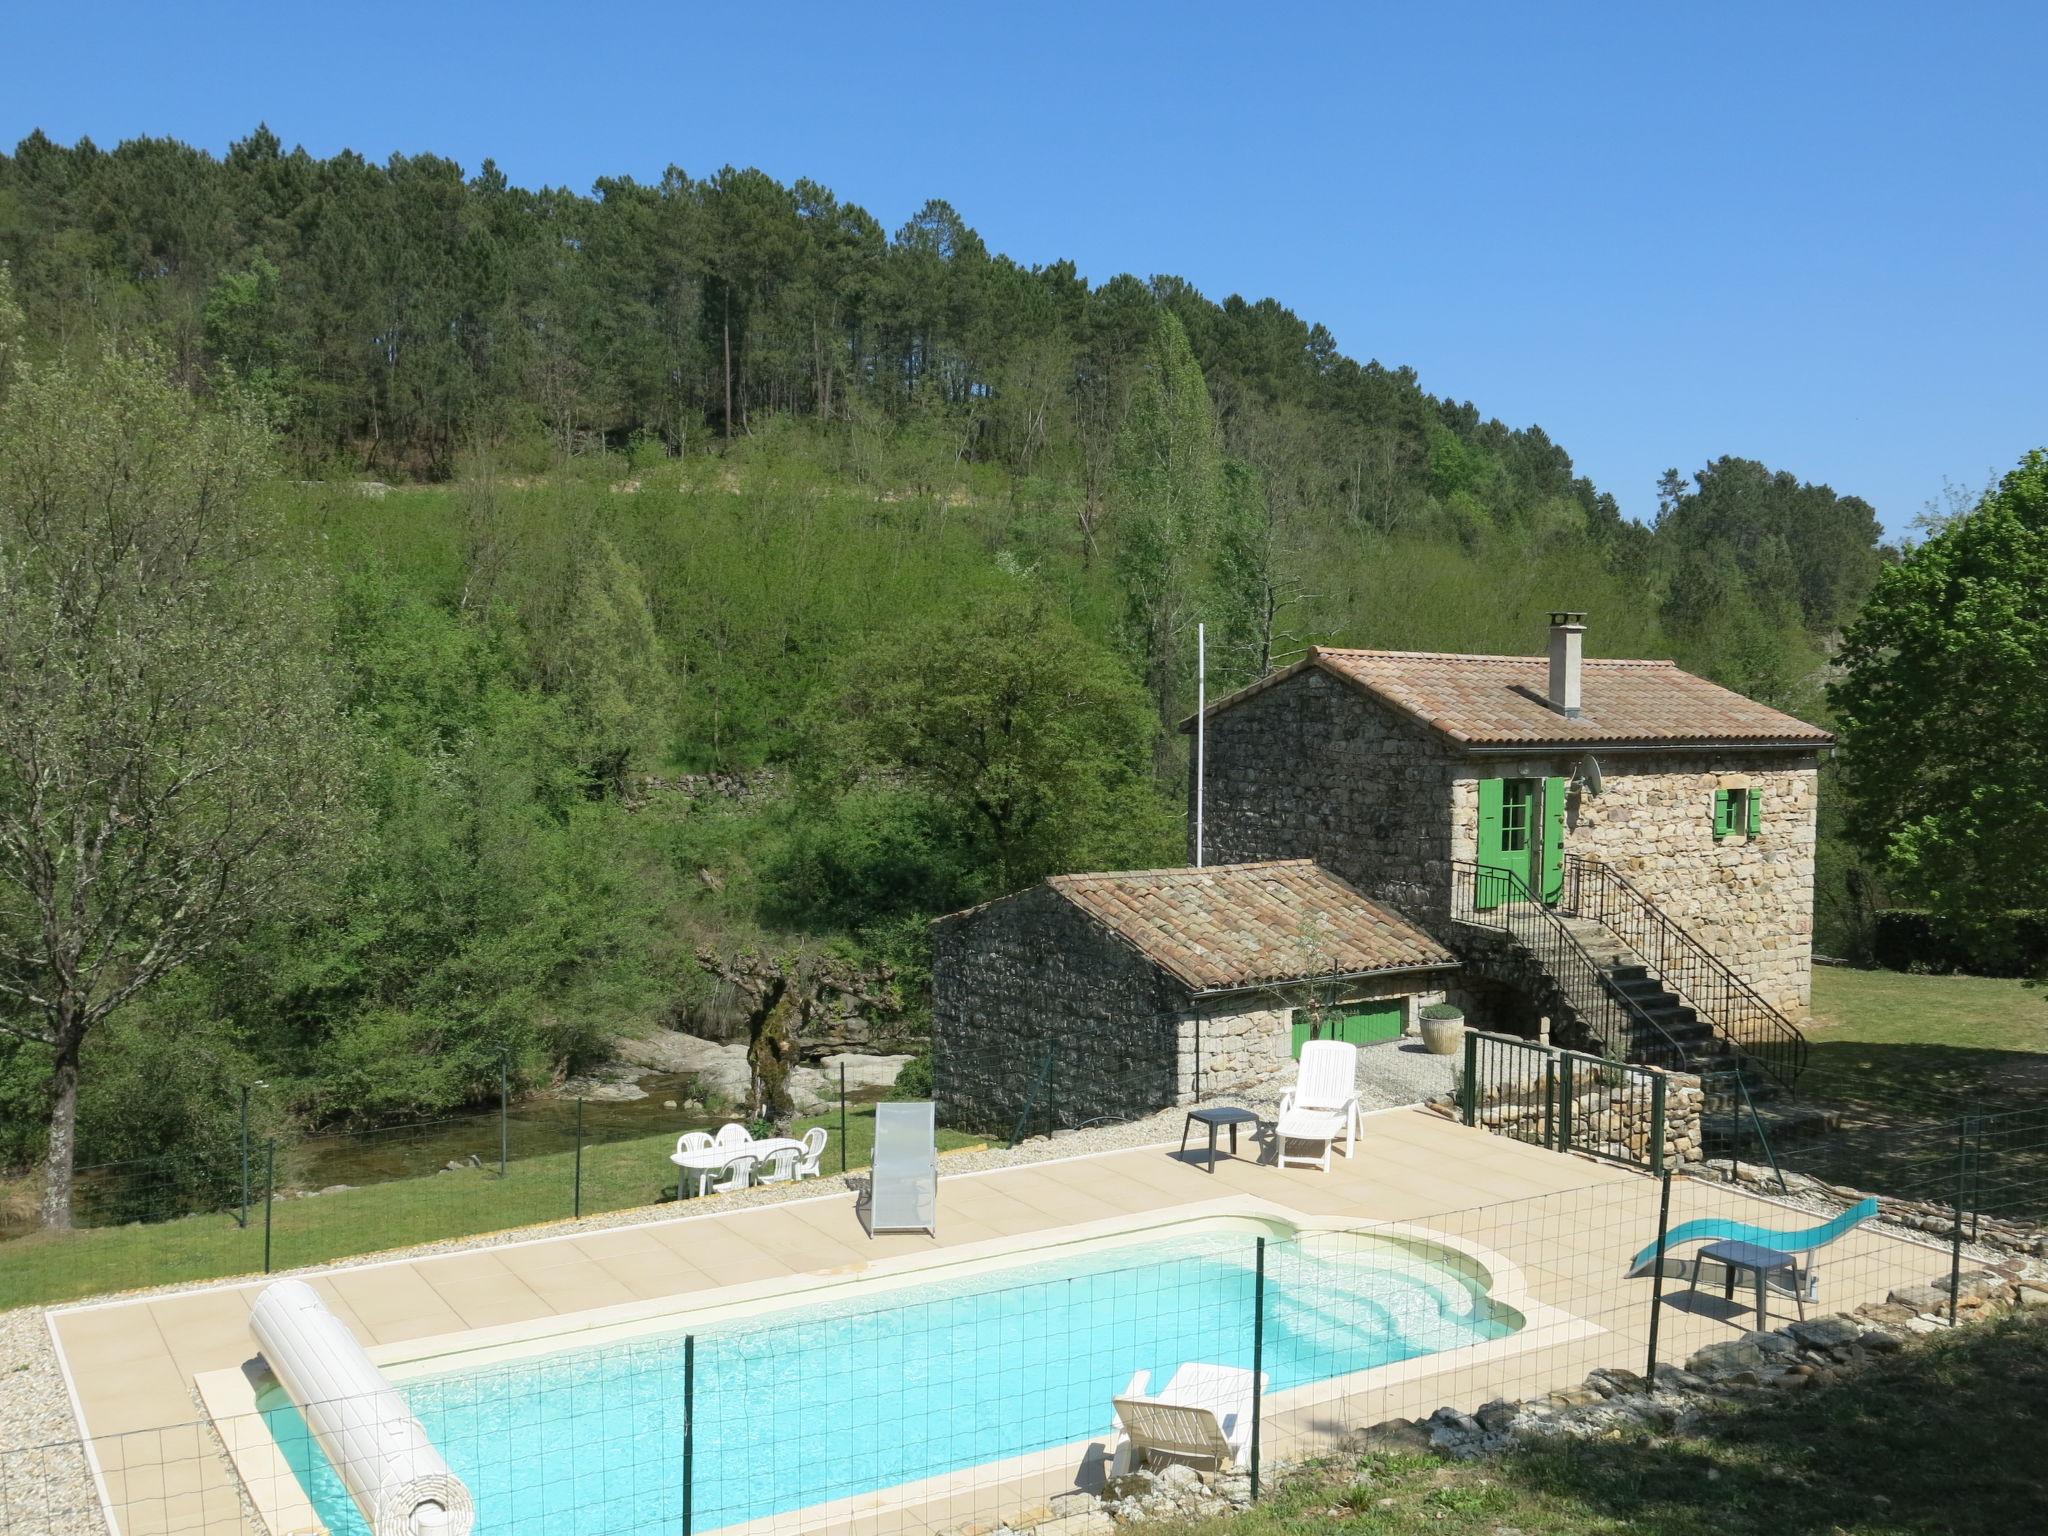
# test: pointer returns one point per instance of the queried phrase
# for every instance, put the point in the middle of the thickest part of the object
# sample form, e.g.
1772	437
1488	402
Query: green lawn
1870	1455
616	1175
1886	1037
1935	1085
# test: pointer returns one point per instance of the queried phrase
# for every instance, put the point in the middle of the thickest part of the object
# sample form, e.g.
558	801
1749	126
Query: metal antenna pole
1201	727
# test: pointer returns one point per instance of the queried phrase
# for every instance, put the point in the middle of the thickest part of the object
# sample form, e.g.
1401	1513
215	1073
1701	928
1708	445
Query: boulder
1393	1437
1826	1332
1726	1359
722	1066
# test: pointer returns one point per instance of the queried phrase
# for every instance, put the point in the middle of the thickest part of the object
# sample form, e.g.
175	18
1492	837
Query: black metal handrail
1616	1020
1726	1003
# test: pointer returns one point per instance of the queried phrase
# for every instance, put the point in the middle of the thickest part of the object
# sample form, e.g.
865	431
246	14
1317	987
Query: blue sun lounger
1719	1229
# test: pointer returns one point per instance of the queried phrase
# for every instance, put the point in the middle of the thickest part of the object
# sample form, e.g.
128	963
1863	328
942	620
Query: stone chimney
1567	638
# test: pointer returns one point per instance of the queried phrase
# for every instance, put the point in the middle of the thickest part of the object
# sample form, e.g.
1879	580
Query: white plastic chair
1202	1417
732	1134
739	1173
780	1166
693	1141
1323	1103
813	1153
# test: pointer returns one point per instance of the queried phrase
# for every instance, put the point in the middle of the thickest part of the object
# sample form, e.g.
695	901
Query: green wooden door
1358	1023
1507	824
1370	1023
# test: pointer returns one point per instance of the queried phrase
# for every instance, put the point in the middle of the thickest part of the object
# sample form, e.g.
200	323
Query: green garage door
1360	1023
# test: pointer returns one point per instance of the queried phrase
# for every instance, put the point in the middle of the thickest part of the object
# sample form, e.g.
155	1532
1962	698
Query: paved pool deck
1565	1225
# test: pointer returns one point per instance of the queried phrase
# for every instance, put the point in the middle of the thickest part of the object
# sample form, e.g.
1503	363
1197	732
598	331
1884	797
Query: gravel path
44	1481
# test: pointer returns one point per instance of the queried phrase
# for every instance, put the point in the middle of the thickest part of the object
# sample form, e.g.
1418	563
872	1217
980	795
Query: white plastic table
712	1159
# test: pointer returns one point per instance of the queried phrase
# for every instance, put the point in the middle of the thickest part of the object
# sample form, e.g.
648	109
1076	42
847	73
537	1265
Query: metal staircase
1633	981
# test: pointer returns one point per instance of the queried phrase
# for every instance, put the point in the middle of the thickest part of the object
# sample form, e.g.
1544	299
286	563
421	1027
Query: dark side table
1216	1119
1759	1261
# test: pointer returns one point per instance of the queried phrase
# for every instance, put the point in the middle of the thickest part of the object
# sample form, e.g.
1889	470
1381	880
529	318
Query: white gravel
44	1482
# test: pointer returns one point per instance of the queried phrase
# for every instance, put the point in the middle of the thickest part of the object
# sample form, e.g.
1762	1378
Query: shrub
1913	939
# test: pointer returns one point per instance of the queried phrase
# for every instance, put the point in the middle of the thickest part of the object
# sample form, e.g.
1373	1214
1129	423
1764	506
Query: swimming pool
827	1399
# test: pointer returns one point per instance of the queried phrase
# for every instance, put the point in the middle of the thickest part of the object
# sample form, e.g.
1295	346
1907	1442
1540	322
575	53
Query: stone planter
1443	1030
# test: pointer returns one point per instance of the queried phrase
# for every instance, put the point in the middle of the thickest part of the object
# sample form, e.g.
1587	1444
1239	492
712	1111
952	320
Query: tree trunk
727	326
63	1125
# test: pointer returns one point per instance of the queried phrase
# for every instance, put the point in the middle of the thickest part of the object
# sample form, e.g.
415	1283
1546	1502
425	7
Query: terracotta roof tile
1233	925
1502	701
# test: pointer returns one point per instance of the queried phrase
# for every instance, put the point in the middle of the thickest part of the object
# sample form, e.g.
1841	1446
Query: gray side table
1216	1119
1760	1261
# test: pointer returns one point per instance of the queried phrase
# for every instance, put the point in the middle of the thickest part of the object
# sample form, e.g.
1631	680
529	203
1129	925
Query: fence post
1657	1123
1657	1274
1550	1141
504	1110
1565	1092
689	1424
269	1195
1955	1249
245	1158
1258	1356
1468	1091
842	1117
579	1161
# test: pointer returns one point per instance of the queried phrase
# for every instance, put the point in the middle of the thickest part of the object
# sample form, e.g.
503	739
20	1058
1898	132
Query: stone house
1396	769
1105	996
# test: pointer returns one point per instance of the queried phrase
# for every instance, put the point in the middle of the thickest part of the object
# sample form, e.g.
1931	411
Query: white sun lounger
1203	1418
1323	1103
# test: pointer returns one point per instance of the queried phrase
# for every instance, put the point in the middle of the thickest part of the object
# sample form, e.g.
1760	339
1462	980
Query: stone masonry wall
1028	972
1312	769
1749	899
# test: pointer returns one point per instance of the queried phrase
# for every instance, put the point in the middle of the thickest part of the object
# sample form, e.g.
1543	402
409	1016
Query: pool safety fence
934	1401
1569	1101
343	1194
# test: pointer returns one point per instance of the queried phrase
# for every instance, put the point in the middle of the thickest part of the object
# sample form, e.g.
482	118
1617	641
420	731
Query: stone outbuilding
1396	770
1106	996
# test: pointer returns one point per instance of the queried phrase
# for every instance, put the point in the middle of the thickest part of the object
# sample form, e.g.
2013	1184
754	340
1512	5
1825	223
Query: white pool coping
231	1396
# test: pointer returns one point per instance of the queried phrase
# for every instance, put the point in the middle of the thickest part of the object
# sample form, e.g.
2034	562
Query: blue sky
1813	236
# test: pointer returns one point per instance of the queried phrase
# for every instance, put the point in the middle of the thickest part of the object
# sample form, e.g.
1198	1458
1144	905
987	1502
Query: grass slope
1946	1437
1884	1036
616	1175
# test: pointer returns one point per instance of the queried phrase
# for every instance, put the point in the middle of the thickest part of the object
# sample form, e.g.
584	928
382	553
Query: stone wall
1748	899
1029	973
1310	768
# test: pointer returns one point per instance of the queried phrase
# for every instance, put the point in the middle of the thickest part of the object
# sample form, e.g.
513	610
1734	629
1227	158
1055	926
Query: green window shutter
1720	814
1756	812
1303	1023
1554	791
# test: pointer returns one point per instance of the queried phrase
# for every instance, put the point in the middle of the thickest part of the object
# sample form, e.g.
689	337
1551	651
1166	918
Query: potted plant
1443	1029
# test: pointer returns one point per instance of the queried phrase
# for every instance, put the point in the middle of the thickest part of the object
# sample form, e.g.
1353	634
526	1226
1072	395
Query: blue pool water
831	1399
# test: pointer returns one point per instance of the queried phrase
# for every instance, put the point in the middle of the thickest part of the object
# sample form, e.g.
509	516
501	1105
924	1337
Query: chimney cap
1560	617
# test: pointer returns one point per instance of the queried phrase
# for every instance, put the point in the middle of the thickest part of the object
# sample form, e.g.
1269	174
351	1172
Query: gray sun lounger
904	1194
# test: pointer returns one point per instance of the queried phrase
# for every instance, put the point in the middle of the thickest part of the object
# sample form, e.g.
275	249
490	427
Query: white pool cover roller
379	1450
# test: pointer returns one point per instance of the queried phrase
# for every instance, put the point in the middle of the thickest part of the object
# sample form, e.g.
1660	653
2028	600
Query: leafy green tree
1169	498
1944	718
610	666
1029	740
172	763
1794	543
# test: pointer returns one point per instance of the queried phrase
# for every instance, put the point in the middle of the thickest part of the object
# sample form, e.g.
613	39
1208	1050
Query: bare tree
172	757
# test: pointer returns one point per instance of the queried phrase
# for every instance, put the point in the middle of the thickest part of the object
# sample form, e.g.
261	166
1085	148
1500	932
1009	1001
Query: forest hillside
711	585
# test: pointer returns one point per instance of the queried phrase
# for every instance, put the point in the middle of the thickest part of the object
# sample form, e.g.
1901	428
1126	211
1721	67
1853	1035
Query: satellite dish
1590	770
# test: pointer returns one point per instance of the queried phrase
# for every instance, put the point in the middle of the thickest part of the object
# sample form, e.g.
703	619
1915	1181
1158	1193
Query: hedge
1912	939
